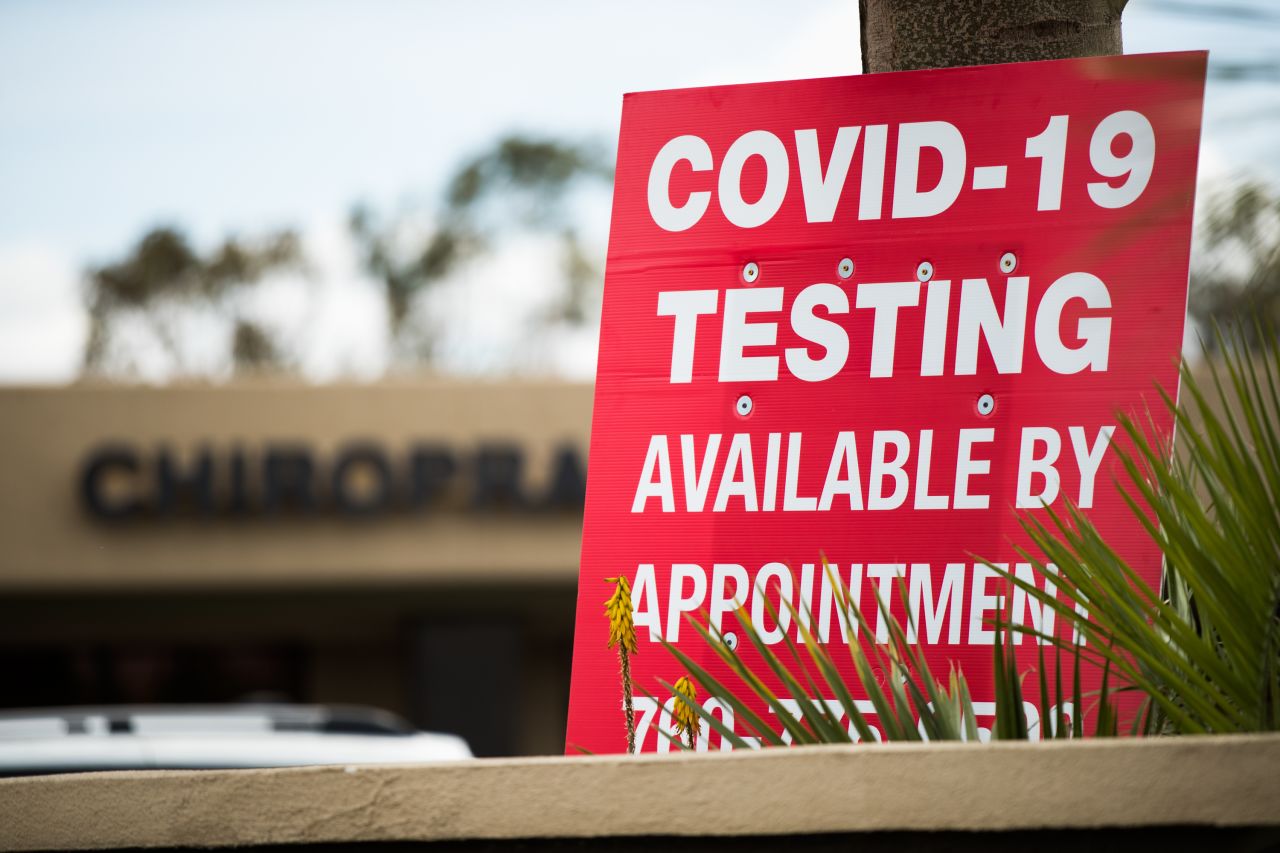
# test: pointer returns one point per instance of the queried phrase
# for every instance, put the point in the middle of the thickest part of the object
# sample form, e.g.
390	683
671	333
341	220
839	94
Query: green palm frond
909	702
1206	648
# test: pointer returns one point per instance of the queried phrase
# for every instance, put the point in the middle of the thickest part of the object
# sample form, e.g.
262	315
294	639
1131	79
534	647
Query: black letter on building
193	488
568	480
238	482
96	468
498	470
287	473
430	470
362	498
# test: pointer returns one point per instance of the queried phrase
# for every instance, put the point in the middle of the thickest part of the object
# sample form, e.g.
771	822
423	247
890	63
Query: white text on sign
980	320
894	479
823	189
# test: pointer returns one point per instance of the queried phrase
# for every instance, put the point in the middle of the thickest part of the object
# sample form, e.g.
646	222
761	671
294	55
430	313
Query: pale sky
242	116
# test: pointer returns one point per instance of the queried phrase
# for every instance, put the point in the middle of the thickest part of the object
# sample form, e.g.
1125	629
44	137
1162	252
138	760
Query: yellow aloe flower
622	630
622	633
687	721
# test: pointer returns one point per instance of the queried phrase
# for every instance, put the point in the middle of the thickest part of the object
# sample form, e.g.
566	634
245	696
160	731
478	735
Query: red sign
873	318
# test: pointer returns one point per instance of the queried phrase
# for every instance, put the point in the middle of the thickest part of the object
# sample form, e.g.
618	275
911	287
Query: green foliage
910	703
163	275
1206	653
520	182
252	347
542	169
1236	278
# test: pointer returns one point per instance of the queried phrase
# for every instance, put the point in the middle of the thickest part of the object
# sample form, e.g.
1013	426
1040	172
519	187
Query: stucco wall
813	792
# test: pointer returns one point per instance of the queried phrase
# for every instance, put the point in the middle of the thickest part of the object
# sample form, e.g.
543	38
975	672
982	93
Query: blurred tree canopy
519	183
163	277
142	302
1237	275
145	300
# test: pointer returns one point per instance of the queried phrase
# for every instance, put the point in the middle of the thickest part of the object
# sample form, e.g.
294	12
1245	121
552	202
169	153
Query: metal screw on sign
744	405
924	272
986	404
731	641
1008	262
751	272
846	267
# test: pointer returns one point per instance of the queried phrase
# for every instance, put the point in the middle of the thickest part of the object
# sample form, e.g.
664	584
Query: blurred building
411	546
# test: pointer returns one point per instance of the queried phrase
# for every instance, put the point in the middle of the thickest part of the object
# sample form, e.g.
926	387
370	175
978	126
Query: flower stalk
622	633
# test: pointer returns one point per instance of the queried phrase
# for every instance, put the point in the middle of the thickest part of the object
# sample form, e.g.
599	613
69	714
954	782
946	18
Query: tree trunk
904	35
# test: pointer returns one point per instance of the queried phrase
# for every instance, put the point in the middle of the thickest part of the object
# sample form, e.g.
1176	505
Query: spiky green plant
1205	650
911	704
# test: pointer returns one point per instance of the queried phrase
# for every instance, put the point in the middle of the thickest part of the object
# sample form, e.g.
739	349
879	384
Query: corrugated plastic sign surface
873	318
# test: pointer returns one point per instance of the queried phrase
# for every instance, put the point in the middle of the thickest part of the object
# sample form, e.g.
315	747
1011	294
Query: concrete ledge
1158	782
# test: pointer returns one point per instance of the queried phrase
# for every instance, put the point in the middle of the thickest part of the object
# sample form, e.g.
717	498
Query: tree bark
904	35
